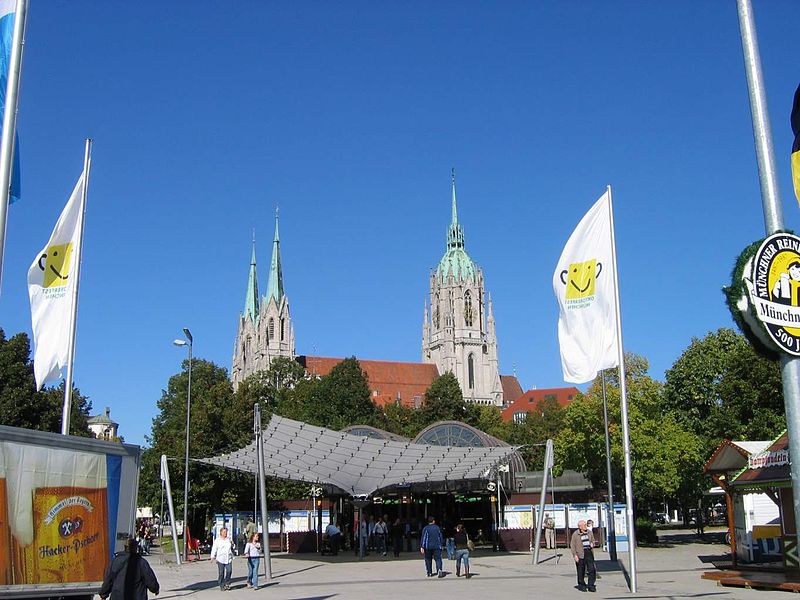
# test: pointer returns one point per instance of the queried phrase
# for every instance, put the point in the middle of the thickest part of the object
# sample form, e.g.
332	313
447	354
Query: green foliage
646	532
220	422
543	422
444	401
662	452
721	388
341	398
22	406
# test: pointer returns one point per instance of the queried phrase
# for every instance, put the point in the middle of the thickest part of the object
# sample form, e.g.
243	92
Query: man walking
222	552
379	533
549	531
129	576
431	542
581	545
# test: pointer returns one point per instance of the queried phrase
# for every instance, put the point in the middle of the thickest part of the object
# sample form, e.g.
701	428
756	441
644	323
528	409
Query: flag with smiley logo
51	284
584	286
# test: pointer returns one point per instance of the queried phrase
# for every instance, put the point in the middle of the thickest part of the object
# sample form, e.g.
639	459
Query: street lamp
188	344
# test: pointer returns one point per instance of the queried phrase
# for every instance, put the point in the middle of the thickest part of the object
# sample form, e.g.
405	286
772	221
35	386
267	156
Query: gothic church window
471	372
272	329
468	316
283	329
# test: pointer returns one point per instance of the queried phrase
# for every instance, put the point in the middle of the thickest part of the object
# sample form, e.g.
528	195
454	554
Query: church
458	333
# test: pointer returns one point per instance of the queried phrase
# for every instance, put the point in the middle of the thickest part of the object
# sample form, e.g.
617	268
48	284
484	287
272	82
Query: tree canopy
22	406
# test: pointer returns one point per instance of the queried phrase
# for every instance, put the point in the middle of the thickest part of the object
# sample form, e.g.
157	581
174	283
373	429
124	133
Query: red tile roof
511	388
531	398
387	379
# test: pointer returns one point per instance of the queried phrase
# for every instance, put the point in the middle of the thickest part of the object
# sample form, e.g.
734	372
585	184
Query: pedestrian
250	528
450	544
334	537
129	576
431	542
379	533
581	545
252	550
549	531
363	537
397	532
462	548
371	533
222	551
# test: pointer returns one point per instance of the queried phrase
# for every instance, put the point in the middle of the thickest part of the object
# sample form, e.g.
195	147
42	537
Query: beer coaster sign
773	289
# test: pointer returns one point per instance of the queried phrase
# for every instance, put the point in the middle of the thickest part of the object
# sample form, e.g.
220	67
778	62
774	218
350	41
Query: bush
646	531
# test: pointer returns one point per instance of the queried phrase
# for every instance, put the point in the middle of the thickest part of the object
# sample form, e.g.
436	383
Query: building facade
458	329
265	326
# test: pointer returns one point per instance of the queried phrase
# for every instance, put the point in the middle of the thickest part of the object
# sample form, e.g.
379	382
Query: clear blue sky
349	116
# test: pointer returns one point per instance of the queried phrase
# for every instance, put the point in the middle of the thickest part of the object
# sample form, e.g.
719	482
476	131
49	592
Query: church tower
265	326
458	332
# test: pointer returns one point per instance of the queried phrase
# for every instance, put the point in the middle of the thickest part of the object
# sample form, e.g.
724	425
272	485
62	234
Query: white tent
360	466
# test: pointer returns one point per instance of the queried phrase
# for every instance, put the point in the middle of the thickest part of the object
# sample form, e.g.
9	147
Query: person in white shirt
222	552
334	536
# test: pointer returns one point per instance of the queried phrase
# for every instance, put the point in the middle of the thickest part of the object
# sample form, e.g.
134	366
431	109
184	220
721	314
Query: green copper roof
455	259
275	282
251	299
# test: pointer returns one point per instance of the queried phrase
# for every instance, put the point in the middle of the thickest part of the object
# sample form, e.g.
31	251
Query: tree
542	423
663	453
220	422
342	398
22	406
443	401
721	388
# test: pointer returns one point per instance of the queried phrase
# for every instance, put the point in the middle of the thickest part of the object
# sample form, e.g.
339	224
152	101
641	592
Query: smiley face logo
56	264
580	278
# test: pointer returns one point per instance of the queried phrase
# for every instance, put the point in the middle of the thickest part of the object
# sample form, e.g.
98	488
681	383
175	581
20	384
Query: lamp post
188	344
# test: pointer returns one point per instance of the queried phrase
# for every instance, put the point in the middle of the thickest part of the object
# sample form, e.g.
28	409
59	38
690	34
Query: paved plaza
670	571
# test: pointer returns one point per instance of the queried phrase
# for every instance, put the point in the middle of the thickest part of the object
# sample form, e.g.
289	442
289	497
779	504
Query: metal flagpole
548	461
262	491
626	445
553	502
610	525
10	120
165	470
65	415
773	219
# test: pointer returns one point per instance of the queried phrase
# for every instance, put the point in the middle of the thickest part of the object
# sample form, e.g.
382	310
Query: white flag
584	286
51	285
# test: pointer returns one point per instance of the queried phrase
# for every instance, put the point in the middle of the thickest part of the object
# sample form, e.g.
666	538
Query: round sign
774	289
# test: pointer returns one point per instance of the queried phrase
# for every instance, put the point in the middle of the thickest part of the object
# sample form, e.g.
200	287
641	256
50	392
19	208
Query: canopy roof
359	466
732	456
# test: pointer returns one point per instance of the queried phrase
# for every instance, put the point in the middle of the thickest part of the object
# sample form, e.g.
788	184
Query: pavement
670	570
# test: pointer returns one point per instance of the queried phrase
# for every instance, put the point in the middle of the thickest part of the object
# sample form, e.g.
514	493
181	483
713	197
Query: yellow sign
581	278
57	265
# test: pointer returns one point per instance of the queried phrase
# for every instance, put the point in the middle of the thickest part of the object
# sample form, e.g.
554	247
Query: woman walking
462	543
252	551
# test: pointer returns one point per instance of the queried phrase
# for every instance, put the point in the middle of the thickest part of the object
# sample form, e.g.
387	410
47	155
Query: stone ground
671	570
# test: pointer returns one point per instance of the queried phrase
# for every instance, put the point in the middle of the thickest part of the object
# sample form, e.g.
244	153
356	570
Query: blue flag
7	8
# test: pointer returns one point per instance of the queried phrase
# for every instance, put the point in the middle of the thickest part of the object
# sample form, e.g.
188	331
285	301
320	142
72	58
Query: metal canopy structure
360	466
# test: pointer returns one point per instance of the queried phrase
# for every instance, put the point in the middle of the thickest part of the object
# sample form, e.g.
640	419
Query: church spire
251	299
455	234
275	282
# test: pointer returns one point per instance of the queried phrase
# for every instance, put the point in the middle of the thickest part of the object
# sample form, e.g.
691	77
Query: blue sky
349	116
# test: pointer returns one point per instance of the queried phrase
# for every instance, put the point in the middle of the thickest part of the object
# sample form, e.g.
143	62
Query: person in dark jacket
129	576
431	543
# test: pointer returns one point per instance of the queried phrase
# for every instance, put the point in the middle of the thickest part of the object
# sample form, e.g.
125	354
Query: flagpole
10	121
65	415
773	219
626	446
610	525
